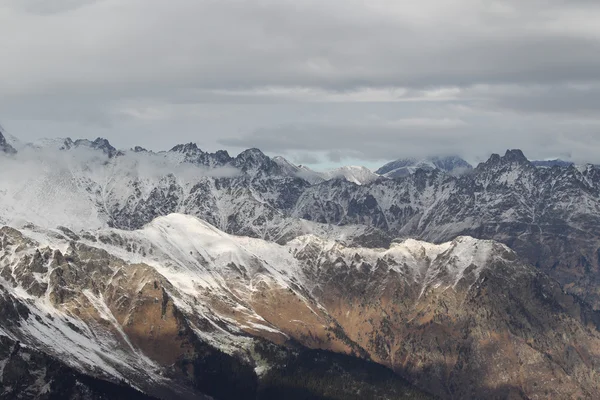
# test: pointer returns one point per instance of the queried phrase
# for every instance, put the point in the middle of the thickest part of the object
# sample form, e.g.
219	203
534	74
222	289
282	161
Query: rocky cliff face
5	147
180	308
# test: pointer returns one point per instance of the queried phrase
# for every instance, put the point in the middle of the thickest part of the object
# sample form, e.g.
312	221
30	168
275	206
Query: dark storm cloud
467	76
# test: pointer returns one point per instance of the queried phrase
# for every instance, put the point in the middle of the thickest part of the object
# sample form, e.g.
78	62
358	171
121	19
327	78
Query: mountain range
187	274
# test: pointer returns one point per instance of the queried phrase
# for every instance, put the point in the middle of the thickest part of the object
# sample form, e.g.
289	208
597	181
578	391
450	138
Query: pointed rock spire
5	147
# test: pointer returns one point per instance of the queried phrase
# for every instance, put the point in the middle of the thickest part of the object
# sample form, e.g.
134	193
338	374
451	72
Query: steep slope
312	177
5	147
180	315
29	374
189	309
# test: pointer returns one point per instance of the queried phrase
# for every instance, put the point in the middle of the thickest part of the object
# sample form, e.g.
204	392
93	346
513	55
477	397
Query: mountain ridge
402	273
506	198
211	298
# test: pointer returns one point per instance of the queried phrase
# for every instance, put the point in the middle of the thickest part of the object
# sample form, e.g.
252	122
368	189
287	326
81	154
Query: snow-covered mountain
506	198
355	174
549	215
84	187
301	171
407	166
104	264
179	309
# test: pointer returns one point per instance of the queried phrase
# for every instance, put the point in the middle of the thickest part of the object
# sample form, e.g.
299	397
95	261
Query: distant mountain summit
65	144
407	166
301	171
98	144
355	174
5	147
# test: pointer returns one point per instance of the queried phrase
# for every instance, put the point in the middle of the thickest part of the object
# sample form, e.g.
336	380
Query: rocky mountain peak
255	160
67	144
494	159
515	155
105	146
286	167
222	156
400	163
98	144
5	147
451	163
356	174
283	161
191	153
187	148
253	154
139	149
511	157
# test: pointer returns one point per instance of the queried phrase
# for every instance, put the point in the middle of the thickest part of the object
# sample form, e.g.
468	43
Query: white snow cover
355	174
192	253
82	189
352	173
199	260
76	188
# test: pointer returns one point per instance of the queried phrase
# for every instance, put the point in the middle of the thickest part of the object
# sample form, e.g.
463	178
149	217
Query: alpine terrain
184	274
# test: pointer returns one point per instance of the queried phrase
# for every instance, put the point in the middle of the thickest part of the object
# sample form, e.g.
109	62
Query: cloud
576	140
305	158
567	100
334	44
465	76
368	141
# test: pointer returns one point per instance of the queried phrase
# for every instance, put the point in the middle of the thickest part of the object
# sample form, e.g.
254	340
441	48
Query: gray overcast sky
322	82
